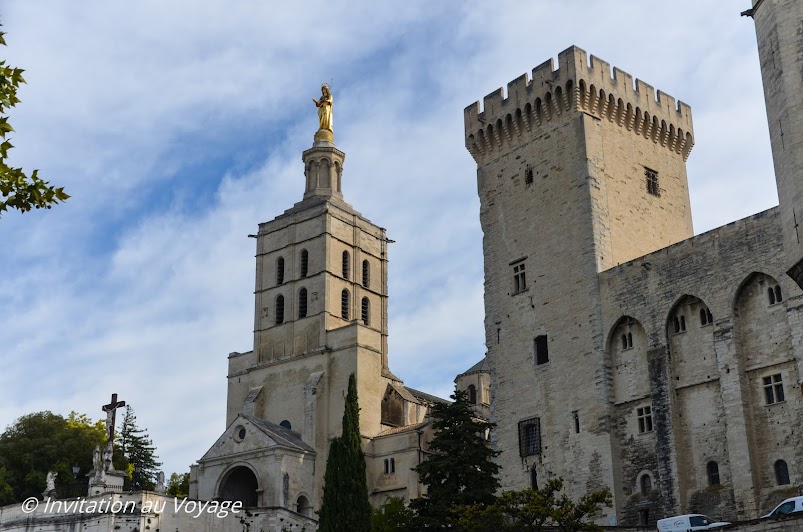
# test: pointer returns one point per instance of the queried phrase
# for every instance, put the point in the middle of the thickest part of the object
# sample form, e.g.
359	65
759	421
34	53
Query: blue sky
178	126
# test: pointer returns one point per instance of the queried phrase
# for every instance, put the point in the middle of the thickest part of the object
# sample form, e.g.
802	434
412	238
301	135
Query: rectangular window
530	437
773	389
541	350
519	279
644	415
652	182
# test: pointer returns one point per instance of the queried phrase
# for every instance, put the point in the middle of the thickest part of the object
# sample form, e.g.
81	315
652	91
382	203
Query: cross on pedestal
110	410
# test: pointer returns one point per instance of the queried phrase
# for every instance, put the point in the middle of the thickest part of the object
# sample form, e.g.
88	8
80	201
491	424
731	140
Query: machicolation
577	86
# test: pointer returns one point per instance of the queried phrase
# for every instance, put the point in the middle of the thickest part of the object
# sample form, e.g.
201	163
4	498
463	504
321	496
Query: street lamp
75	470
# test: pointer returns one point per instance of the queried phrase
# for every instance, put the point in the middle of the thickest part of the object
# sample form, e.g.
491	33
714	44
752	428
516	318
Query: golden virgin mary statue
324	106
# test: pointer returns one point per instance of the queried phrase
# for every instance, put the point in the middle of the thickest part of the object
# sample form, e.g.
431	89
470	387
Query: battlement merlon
531	101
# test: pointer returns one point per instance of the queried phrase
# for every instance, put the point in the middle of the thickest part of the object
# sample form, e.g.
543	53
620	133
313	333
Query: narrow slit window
280	270
344	304
472	394
576	416
712	470
279	314
346	264
302	303
771	295
781	473
304	263
541	350
366	274
366	311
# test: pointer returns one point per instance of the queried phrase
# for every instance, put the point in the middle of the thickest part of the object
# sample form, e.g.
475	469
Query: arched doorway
240	484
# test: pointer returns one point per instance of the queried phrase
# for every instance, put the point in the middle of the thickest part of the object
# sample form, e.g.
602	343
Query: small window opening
519	279
652	182
774	294
392	465
644	416
576	416
280	270
541	350
782	473
533	478
302	303
771	295
705	316
530	437
387	466
279	314
365	313
712	470
346	264
773	389
286	424
645	484
472	394
304	263
778	296
366	274
528	174
344	304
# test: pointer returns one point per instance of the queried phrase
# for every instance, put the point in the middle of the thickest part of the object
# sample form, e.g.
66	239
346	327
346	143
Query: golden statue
324	106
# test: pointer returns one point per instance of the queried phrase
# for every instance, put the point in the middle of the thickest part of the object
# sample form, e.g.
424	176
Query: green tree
535	511
178	485
392	516
345	503
41	442
459	470
17	189
135	454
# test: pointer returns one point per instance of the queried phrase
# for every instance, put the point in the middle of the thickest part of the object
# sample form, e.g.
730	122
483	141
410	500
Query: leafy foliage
135	448
17	189
42	442
536	510
178	485
345	492
392	516
460	470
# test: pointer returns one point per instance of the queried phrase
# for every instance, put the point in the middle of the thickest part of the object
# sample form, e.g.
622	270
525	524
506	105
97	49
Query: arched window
387	466
645	484
304	262
346	264
279	310
302	303
286	424
712	470
703	317
344	304
303	506
771	295
683	323
624	341
781	473
366	311
778	296
472	394
629	340
677	324
366	274
280	270
392	465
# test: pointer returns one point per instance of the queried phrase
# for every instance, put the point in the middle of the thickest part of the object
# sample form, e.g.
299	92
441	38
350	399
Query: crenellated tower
579	169
779	31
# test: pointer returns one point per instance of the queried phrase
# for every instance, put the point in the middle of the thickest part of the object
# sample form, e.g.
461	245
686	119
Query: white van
789	506
688	522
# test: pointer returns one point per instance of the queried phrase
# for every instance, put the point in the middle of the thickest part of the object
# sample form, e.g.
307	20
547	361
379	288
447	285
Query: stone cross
110	410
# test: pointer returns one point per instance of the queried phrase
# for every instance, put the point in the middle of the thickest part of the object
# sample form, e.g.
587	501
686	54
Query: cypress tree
345	492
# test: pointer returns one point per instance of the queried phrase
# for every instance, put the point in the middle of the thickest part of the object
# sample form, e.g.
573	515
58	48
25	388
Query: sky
177	127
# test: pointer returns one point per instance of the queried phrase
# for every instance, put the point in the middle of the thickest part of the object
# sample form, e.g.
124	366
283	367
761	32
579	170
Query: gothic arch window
472	394
302	303
365	311
774	294
280	270
304	262
346	264
712	470
303	506
279	314
366	274
645	484
781	473
344	304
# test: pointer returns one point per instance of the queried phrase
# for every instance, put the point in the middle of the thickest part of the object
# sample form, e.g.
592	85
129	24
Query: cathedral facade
624	351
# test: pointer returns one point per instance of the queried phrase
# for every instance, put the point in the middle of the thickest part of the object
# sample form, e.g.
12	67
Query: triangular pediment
248	434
